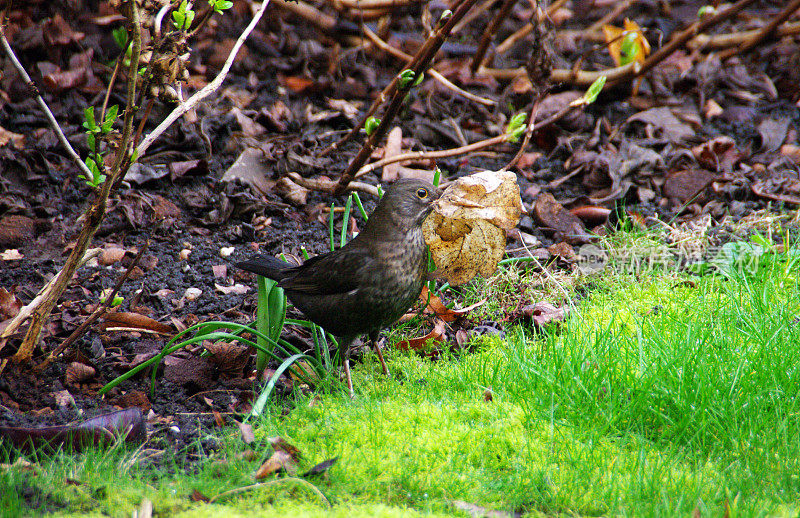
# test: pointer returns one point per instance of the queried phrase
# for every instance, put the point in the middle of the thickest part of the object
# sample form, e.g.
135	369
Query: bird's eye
422	193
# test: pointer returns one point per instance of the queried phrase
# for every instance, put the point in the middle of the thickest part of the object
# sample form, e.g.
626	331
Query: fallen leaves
466	233
436	336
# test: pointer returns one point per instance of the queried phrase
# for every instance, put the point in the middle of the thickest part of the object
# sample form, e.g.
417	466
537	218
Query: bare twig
763	33
527	29
26	310
43	105
475	146
631	70
96	313
433	72
616	11
723	41
528	131
488	33
315	17
422	155
376	4
681	38
560	75
417	66
206	90
472	15
95	213
328	186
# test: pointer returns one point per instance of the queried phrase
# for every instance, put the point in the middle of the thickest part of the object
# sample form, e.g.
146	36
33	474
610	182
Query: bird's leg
344	352
373	337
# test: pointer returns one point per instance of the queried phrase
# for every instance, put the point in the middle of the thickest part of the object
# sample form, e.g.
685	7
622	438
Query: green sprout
706	10
220	5
629	49
93	131
182	18
120	35
406	79
516	127
591	94
371	125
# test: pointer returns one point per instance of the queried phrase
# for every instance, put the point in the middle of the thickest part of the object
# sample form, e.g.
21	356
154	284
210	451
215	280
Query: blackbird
371	281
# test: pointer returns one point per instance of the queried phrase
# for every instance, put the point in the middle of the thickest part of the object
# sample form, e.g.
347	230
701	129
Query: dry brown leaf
17	140
236	289
78	372
248	435
279	460
134	321
466	232
279	444
437	307
419	343
291	192
9	304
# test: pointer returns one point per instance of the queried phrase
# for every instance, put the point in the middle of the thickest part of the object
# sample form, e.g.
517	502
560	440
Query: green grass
662	395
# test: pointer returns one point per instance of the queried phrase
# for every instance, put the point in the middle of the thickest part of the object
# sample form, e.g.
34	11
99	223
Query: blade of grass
346	220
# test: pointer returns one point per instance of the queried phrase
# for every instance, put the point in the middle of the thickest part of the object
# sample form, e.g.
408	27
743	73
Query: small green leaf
446	14
92	165
88	116
516	127
406	77
706	10
628	49
178	19
419	79
120	35
591	94
90	141
371	124
189	20
110	119
437	176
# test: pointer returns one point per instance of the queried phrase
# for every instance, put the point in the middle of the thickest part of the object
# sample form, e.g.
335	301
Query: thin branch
98	311
328	186
528	130
374	38
723	41
763	33
489	32
631	70
687	34
375	4
43	105
94	214
422	155
475	146
418	66
526	29
26	310
205	91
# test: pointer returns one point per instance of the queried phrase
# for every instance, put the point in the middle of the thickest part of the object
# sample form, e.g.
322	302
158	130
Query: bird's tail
265	265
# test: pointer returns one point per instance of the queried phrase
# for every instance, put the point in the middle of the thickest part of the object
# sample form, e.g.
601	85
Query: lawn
662	394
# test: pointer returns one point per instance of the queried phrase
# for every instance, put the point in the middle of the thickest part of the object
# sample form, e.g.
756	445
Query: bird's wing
329	274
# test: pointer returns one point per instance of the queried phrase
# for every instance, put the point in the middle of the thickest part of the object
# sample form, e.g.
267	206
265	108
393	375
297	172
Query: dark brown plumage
371	281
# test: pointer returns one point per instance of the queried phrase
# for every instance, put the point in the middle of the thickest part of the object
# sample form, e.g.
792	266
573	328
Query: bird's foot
380	357
349	379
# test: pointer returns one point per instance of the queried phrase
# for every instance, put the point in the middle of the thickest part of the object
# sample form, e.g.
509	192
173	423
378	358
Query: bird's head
408	201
